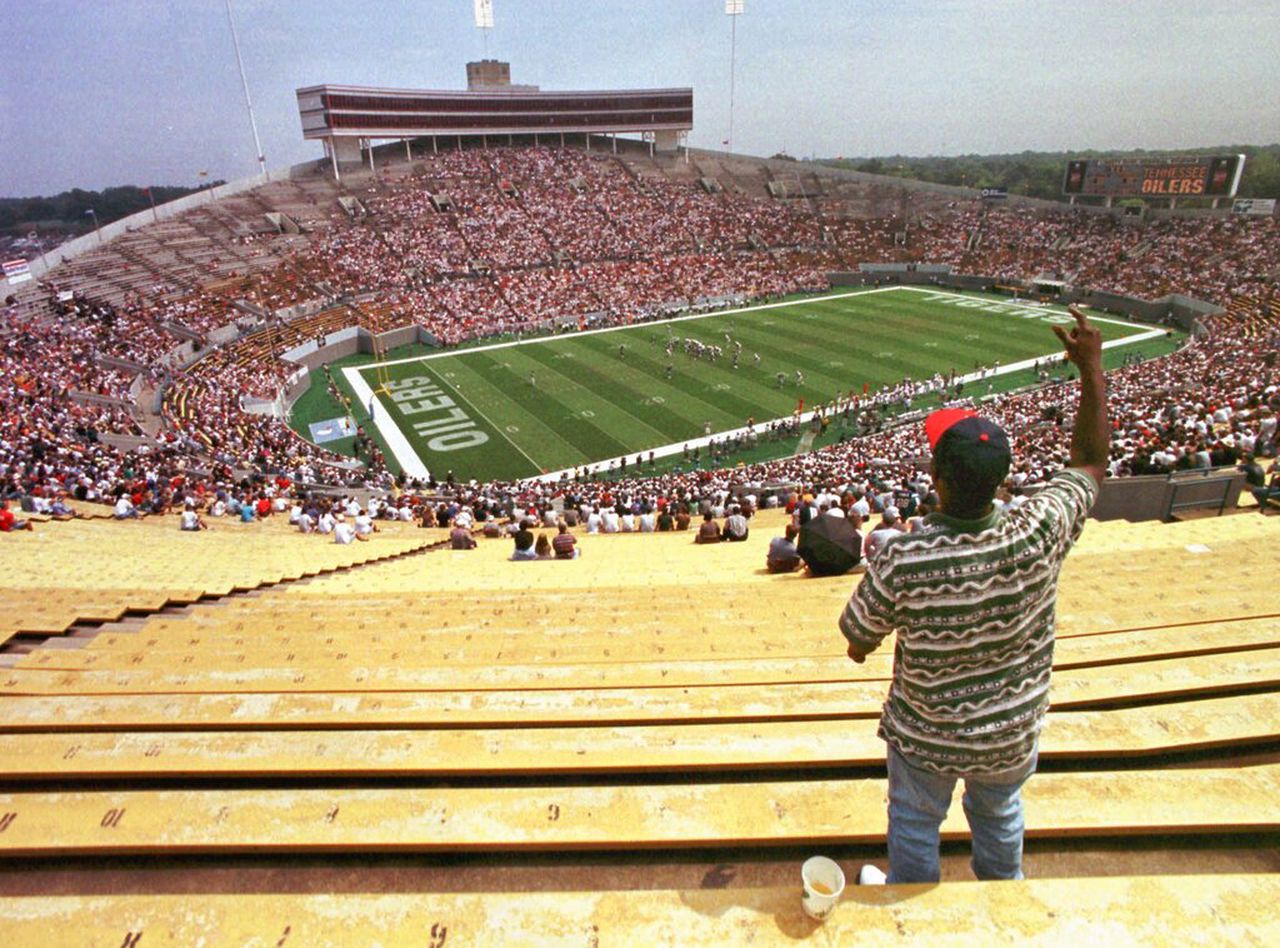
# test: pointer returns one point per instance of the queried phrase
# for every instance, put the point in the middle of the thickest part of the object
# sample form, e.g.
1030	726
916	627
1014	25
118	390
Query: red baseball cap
963	442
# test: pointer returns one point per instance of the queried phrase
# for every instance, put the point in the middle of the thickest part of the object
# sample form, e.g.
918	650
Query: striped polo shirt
971	603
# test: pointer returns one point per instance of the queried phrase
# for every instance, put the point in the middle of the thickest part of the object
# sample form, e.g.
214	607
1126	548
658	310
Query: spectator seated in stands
565	544
735	525
125	508
783	557
1269	493
890	526
9	522
364	525
524	541
190	519
709	531
344	532
830	546
60	509
460	538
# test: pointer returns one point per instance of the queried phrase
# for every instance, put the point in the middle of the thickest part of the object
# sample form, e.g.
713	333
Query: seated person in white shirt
890	525
191	519
344	533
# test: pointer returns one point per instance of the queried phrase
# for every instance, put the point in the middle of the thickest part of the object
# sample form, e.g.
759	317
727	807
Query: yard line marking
501	433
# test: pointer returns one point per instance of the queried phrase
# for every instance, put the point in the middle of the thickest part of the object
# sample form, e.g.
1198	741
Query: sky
95	93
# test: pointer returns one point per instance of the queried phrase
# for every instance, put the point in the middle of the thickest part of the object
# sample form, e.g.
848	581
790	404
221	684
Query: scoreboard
1218	176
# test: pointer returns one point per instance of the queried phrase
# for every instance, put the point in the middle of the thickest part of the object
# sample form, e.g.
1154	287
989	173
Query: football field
525	408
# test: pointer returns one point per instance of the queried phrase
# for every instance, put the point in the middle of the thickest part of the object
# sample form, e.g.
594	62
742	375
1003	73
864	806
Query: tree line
69	211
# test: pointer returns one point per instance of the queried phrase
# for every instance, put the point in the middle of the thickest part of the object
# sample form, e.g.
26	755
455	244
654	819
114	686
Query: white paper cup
823	885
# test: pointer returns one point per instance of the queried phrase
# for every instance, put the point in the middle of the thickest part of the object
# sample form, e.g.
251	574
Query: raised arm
1091	437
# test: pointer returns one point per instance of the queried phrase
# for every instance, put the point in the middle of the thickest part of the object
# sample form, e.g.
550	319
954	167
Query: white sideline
390	431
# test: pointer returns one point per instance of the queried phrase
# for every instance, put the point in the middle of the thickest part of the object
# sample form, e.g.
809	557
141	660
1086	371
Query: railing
1204	490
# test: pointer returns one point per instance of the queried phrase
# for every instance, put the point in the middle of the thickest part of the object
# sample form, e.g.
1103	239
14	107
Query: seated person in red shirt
565	544
8	522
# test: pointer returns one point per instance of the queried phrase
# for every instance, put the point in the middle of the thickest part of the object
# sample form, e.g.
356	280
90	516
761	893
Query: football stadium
735	549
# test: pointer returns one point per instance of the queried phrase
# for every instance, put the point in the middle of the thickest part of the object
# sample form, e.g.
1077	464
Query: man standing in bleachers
970	599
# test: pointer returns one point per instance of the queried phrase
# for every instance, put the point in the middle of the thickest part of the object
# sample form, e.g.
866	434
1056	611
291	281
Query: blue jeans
918	802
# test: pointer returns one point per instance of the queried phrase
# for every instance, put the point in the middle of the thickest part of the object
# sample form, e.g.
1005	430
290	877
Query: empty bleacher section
98	570
652	696
1140	910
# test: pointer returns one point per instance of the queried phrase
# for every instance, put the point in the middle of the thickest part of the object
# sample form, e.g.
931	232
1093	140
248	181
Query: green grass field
519	409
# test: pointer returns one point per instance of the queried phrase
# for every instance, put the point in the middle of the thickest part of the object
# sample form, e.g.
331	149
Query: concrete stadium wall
294	390
349	341
1150	497
1173	309
124	443
1132	498
1219	487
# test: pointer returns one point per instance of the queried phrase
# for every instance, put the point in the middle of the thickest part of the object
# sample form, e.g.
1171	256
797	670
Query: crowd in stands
1214	259
513	239
475	243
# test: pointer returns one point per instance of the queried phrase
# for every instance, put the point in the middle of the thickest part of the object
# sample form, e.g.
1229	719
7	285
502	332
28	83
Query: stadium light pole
248	103
96	226
733	9
484	21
